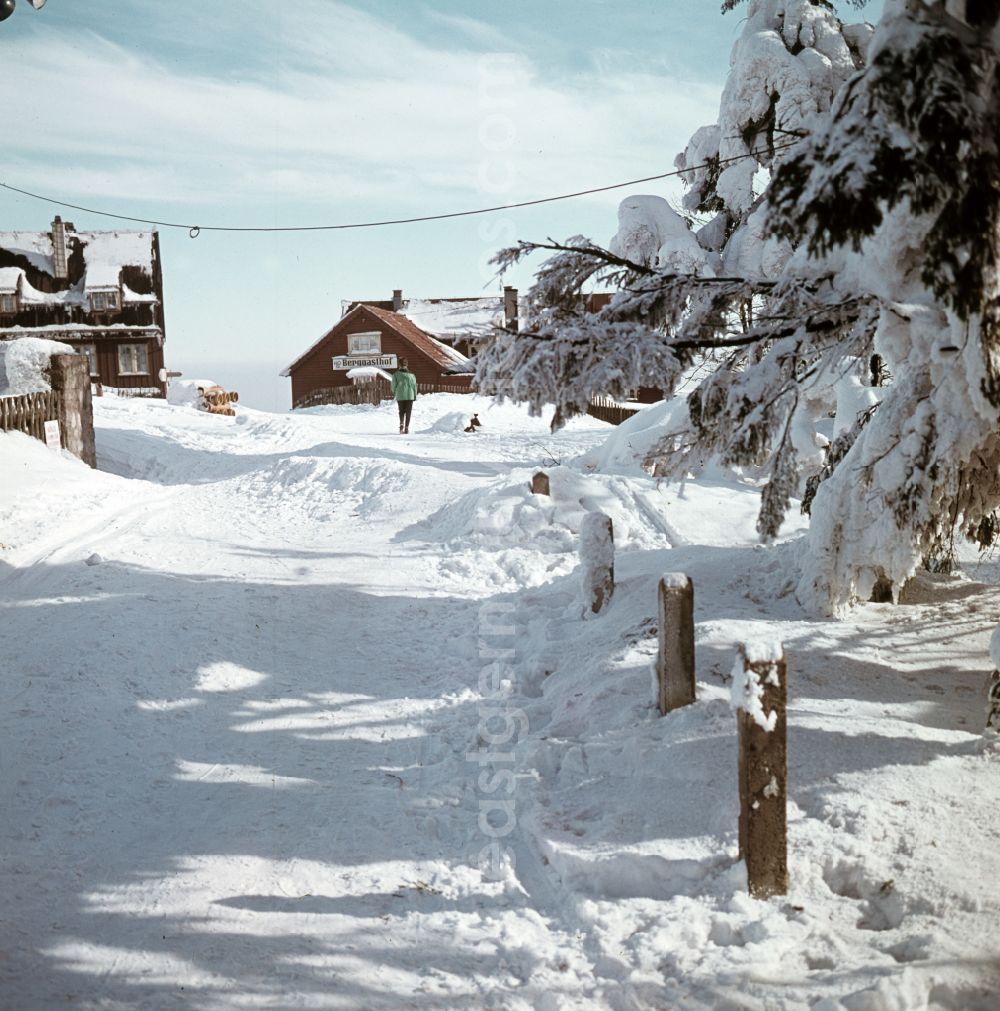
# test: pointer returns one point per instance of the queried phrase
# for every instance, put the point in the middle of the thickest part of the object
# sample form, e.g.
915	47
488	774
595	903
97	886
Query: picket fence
611	411
28	413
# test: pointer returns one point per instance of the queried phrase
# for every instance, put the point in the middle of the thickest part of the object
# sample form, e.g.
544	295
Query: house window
133	360
364	343
8	303
100	301
90	350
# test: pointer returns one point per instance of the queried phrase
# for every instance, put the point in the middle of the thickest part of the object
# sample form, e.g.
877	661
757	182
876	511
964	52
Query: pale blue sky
303	112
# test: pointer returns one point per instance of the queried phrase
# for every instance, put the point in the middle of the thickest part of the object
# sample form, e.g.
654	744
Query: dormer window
364	343
102	301
8	302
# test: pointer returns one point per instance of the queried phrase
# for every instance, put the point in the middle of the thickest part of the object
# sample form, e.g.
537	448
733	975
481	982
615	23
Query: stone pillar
70	378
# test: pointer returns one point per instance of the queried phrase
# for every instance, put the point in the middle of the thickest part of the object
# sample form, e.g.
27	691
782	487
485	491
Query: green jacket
404	385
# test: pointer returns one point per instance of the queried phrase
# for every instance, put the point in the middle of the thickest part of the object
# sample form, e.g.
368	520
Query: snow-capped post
759	697
597	555
675	660
540	483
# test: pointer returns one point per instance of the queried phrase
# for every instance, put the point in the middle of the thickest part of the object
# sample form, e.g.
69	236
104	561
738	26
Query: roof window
102	301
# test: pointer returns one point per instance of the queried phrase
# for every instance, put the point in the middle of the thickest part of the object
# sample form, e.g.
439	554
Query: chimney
510	321
397	299
60	257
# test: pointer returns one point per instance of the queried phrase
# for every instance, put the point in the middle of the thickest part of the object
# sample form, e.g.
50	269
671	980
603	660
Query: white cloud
353	112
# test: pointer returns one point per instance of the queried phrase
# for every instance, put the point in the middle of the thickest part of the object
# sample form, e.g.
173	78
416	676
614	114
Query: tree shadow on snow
183	750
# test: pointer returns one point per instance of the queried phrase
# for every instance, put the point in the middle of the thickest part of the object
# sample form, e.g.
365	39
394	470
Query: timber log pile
216	400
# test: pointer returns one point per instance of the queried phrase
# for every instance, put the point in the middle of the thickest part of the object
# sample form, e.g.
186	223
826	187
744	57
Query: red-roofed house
369	336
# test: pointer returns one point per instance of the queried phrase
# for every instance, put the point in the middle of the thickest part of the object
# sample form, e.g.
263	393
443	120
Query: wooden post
993	696
759	696
675	661
540	483
597	553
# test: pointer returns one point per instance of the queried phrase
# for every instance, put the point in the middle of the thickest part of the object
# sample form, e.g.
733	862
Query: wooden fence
28	413
611	411
369	393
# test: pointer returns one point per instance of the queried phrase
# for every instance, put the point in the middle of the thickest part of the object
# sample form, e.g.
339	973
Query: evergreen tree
876	234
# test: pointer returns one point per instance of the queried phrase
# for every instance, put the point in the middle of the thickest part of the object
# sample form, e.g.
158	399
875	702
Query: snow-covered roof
9	277
68	305
35	247
30	295
455	317
450	319
76	330
128	295
104	253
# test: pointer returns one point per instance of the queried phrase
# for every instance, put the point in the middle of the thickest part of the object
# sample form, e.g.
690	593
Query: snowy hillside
299	712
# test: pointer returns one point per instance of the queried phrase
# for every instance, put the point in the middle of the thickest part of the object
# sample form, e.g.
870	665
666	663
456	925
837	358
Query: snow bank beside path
49	497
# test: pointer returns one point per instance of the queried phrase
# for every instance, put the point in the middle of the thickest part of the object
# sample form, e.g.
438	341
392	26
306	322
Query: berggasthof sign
343	362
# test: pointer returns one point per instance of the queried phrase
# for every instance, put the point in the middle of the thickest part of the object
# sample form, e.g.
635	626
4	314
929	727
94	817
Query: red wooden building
370	336
99	292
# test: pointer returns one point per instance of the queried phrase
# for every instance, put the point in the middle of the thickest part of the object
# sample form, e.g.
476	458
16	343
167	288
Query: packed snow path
258	751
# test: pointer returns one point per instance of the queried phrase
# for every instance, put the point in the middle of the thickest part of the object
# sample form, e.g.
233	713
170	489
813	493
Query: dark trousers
405	410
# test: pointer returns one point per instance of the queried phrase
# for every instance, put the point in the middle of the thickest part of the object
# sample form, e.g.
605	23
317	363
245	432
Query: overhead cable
194	230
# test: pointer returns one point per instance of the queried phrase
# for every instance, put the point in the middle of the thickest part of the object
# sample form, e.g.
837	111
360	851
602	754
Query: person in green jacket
404	389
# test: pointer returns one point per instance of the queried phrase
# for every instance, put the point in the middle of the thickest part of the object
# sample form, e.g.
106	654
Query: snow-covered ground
299	712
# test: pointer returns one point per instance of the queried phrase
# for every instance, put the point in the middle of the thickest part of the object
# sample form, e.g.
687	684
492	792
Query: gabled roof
447	358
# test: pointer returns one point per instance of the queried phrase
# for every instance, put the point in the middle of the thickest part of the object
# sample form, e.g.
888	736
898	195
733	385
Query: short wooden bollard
760	697
675	660
597	554
540	483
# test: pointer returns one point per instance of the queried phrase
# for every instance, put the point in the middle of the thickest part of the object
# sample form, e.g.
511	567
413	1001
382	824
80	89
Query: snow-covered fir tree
844	206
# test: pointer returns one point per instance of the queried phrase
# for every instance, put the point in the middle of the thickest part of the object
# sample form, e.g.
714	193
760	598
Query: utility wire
194	230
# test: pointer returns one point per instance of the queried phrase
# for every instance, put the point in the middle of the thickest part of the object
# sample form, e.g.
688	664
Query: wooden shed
374	337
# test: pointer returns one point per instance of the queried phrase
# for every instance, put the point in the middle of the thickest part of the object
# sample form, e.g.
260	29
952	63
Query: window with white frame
90	350
364	343
101	301
133	360
8	302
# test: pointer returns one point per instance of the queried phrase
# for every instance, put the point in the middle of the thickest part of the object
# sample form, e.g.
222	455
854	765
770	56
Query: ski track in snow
252	734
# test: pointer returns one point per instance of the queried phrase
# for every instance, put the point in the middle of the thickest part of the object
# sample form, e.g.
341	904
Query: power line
194	230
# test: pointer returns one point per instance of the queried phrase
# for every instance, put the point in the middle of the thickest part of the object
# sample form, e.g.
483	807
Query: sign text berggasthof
343	362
